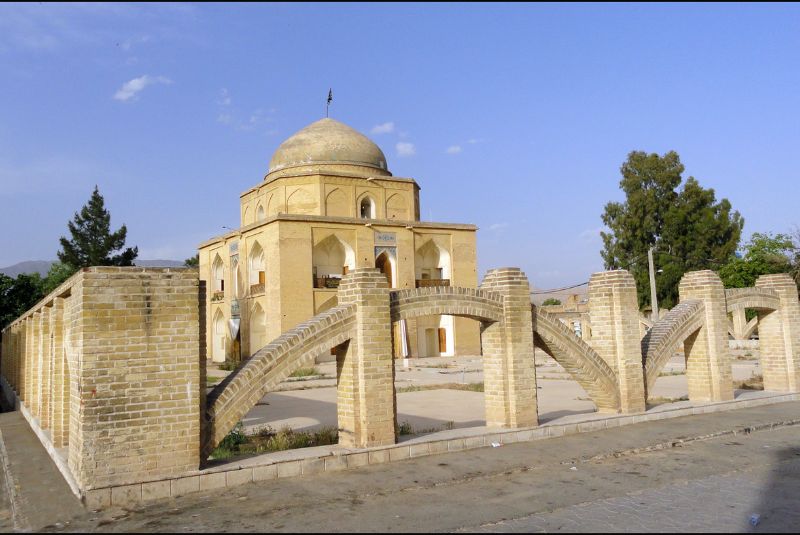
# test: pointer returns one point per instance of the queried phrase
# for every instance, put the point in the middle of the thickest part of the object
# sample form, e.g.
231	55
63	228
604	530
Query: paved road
627	479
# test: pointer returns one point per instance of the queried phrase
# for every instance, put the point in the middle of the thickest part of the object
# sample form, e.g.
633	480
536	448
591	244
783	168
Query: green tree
687	226
192	261
93	243
18	295
551	301
762	255
58	273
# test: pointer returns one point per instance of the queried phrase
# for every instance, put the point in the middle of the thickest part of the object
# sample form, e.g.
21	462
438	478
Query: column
779	335
708	361
509	371
614	313
366	403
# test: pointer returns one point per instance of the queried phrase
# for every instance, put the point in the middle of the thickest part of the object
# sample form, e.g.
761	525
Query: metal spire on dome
330	99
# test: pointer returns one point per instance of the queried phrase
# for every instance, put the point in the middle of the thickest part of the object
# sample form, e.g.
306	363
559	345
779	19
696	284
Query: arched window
256	269
218	274
260	216
366	208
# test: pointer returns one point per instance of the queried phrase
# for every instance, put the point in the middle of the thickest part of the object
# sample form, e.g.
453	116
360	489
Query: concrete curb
310	461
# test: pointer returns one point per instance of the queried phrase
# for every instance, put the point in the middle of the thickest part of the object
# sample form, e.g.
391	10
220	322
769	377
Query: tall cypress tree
93	243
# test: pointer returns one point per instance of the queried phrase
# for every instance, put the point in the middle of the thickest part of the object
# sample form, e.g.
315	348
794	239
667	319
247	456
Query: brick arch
759	298
659	343
229	401
574	355
471	303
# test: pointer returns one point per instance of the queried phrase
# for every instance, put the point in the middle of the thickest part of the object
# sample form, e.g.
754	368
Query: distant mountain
43	266
31	266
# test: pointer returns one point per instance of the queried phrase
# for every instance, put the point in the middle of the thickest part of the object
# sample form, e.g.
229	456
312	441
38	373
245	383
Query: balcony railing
429	283
326	282
217	296
256	289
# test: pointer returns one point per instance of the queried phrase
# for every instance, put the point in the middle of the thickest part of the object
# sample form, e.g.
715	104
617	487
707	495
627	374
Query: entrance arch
385	263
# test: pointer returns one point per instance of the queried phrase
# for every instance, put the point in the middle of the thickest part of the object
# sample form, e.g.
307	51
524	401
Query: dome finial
330	99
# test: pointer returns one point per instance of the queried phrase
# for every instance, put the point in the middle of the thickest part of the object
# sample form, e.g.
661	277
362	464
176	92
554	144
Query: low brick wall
109	369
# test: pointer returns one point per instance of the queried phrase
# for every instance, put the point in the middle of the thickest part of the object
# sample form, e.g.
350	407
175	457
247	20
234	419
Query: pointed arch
256	265
257	328
397	207
301	202
366	206
273	206
331	258
218	274
246	216
219	337
432	261
260	213
336	204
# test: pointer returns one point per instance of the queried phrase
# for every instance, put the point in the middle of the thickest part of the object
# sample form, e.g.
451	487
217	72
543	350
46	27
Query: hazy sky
513	117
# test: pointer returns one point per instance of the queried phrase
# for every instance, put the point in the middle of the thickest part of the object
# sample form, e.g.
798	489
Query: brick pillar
779	335
509	371
59	419
45	357
708	361
614	312
365	368
27	358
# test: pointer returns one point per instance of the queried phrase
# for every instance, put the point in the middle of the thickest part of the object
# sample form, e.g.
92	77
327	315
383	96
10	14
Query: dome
328	142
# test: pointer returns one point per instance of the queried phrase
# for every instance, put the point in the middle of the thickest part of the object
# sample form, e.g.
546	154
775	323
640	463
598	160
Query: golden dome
328	142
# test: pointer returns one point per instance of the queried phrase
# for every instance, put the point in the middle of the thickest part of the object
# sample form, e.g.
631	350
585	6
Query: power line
554	290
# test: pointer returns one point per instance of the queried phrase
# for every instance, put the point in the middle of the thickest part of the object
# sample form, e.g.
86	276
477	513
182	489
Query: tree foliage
18	295
551	301
763	254
93	243
689	229
192	261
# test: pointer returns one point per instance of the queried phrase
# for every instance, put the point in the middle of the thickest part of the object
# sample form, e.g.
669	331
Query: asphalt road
686	474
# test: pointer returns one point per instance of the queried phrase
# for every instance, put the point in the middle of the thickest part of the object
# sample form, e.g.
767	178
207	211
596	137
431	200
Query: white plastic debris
755	519
573	467
496	444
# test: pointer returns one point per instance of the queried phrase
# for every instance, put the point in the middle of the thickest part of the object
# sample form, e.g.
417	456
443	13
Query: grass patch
674	372
213	379
305	372
406	428
755	382
227	366
470	387
268	440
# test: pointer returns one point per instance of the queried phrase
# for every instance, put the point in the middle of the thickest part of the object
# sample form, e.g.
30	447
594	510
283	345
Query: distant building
329	204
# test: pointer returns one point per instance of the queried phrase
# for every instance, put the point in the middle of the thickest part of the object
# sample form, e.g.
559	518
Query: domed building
329	204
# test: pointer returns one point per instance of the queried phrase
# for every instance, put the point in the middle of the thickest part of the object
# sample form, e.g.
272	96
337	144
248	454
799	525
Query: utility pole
653	298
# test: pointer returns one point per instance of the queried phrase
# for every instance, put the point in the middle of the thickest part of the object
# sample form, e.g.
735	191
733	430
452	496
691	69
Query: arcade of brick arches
110	368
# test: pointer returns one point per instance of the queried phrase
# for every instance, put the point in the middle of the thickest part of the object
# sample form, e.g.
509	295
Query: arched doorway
384	264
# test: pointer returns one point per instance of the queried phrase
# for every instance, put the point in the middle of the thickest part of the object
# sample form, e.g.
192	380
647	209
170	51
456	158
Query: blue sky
513	117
